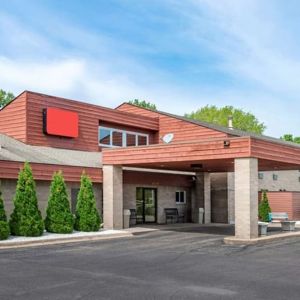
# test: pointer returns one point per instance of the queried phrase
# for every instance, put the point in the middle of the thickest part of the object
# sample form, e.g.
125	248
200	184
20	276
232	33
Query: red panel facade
288	202
11	169
60	122
13	118
27	123
182	130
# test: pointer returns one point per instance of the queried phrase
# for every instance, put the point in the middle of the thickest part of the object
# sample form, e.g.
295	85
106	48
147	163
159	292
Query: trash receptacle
126	218
201	215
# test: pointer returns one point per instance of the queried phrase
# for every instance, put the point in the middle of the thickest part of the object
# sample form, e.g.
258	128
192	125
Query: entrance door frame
155	202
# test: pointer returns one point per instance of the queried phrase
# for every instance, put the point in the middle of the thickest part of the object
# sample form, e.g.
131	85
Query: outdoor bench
286	225
173	215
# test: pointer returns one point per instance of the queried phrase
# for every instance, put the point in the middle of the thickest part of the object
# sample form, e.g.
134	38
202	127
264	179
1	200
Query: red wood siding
275	152
147	178
178	152
288	202
89	118
13	118
10	170
182	130
296	206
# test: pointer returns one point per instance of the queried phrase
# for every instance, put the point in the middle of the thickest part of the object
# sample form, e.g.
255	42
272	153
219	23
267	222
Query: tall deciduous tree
5	98
219	115
26	219
4	228
87	216
143	103
59	218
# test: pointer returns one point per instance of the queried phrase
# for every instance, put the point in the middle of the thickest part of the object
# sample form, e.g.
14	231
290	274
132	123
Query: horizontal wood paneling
178	152
157	179
10	170
182	130
281	202
13	118
275	152
296	206
89	118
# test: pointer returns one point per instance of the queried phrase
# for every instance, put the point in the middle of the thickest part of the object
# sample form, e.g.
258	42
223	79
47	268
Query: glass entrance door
146	204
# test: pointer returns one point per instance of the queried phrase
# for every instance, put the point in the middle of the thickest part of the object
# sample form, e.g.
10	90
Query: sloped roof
14	150
234	132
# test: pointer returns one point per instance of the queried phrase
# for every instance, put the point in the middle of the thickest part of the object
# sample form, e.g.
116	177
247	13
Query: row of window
261	176
111	137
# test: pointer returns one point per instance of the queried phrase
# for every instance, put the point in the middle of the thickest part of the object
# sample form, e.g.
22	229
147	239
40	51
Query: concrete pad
54	238
260	240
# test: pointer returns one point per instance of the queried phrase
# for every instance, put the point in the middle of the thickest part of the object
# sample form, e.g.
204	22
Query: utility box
201	215
126	218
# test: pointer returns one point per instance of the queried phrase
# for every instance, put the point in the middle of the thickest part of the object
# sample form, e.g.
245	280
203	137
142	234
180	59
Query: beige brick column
207	199
202	197
112	197
230	197
246	193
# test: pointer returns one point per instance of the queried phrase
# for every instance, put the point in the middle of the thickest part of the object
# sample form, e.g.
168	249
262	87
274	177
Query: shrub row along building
139	159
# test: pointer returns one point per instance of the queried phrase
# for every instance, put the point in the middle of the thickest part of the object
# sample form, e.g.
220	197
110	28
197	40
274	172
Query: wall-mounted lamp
226	144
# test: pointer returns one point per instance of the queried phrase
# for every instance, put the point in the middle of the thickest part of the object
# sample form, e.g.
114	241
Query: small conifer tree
59	218
26	219
264	208
87	216
4	228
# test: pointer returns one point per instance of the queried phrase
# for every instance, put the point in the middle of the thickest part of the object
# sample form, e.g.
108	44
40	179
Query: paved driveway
158	265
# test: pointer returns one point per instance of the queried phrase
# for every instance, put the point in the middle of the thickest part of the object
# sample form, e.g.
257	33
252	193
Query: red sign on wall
60	122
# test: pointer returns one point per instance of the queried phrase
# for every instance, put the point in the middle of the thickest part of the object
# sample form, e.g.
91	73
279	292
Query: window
142	140
130	139
117	138
111	137
260	175
180	197
104	136
275	177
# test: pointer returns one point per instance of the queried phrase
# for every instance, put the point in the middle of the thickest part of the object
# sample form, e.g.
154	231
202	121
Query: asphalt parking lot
158	265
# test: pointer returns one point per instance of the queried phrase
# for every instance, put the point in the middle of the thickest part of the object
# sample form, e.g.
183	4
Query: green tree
143	103
290	138
264	208
59	218
87	216
26	219
4	228
219	115
5	98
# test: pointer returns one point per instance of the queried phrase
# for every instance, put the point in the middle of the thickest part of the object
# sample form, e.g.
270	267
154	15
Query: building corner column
246	198
207	199
202	198
112	197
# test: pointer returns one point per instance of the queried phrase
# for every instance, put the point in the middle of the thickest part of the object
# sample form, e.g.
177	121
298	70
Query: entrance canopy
210	155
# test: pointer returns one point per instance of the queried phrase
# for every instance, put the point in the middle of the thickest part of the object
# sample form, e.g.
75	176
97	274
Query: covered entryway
244	155
146	204
219	198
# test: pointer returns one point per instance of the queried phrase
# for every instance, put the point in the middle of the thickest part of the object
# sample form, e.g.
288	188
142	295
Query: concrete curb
66	240
261	240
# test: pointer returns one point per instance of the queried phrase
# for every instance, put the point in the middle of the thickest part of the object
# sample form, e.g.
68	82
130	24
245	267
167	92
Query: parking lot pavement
156	265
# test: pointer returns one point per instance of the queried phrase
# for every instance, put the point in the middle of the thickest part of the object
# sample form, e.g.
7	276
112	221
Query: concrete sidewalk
54	238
